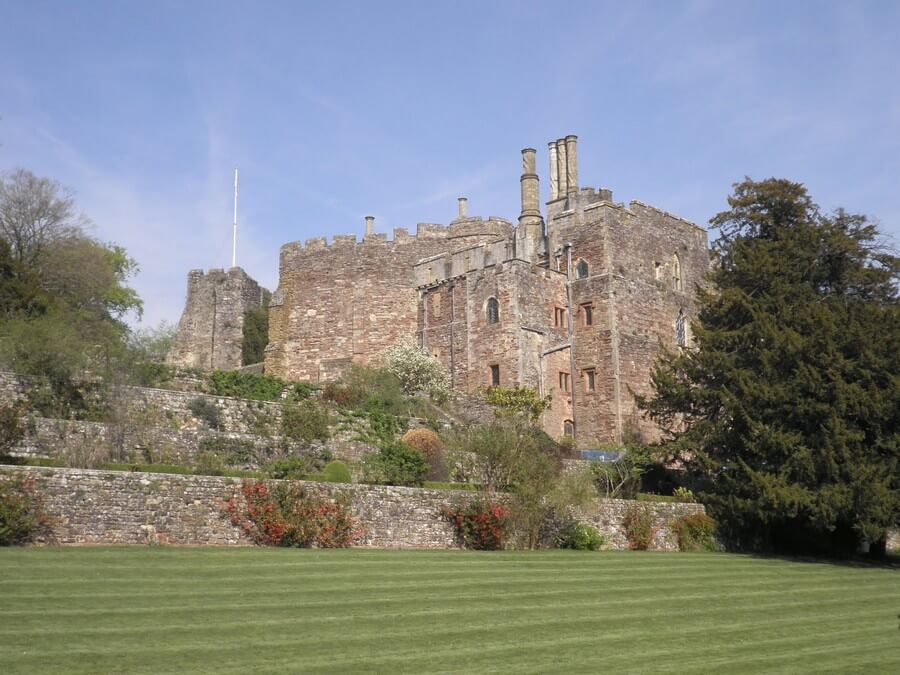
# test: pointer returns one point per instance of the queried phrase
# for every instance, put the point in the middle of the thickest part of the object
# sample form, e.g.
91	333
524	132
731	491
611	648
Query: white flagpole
234	229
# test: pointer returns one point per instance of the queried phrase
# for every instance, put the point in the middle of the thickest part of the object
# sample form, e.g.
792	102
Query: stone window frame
568	428
587	314
565	381
559	317
494	374
590	380
582	269
677	274
681	337
492	310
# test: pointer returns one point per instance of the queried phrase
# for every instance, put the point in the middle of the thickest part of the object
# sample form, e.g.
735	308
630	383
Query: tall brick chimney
554	171
562	169
370	225
462	203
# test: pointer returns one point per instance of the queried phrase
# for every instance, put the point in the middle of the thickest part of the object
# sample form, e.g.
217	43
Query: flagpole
234	229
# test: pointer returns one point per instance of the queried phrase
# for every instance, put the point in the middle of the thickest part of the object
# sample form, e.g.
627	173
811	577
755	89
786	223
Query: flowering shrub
417	371
22	515
287	514
639	527
695	532
480	525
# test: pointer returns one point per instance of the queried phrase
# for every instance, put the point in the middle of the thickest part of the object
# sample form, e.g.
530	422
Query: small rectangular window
495	376
587	313
564	382
590	383
559	317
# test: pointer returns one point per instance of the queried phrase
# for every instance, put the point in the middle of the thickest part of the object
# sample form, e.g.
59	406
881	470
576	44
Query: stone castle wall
210	331
108	507
348	301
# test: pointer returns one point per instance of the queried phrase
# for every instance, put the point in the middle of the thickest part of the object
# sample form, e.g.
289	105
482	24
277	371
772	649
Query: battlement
493	226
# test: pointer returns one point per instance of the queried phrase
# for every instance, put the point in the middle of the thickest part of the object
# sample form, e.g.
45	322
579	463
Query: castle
574	303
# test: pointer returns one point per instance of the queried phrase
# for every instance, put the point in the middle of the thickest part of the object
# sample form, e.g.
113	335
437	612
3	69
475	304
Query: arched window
680	329
581	269
676	273
493	310
568	428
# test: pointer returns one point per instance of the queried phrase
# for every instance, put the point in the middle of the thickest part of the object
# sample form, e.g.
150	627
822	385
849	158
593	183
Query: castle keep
573	301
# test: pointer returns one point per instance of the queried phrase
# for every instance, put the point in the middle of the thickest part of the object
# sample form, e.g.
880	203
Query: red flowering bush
287	514
480	525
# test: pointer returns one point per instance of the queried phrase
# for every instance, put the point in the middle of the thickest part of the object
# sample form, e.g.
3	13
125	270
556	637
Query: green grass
178	610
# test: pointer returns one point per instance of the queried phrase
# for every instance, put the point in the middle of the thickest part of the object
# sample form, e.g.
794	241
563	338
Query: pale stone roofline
401	235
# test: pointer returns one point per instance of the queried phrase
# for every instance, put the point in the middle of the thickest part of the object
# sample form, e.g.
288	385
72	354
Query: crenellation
599	284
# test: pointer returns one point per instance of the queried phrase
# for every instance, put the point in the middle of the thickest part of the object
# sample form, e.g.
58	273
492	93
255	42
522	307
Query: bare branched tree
35	211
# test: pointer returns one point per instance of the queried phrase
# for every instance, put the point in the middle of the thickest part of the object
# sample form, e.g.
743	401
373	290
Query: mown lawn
177	610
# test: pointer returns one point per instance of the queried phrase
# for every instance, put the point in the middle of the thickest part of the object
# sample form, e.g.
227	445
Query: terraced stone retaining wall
109	507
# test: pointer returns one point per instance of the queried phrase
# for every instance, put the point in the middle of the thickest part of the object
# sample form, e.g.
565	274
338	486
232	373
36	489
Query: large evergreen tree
787	408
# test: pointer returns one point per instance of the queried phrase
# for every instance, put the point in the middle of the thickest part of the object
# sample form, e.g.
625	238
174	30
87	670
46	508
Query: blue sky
337	110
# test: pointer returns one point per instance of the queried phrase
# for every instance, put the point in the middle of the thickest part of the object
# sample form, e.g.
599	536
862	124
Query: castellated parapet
574	301
346	302
210	332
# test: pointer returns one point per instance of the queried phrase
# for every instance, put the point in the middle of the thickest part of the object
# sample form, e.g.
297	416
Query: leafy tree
788	409
255	333
35	211
20	290
517	401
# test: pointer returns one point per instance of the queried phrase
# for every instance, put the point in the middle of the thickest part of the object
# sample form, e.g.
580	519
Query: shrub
580	537
430	445
233	451
255	333
288	514
293	467
695	532
12	426
683	494
417	371
517	401
206	411
639	527
209	464
251	386
336	472
480	524
396	464
22	516
306	422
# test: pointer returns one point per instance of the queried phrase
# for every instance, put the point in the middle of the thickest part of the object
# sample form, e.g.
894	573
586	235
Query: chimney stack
463	207
571	165
554	171
562	170
370	225
530	187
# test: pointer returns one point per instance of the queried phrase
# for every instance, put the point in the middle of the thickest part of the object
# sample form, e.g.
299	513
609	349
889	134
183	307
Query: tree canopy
787	410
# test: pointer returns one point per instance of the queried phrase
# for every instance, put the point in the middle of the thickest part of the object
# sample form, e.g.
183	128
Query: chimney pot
370	225
463	207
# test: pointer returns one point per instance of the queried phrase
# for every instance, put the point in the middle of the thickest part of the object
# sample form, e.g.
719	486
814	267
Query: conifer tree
787	408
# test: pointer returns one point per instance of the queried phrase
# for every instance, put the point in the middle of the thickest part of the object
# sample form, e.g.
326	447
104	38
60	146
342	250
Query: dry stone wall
108	507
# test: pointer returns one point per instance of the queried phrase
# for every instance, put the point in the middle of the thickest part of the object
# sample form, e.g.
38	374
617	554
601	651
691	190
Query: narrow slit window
569	428
590	380
565	382
676	273
493	311
680	329
495	375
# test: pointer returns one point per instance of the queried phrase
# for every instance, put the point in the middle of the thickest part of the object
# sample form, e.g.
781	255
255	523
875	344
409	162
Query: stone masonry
574	301
110	507
210	331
